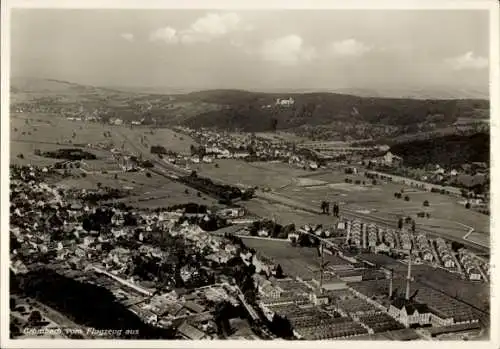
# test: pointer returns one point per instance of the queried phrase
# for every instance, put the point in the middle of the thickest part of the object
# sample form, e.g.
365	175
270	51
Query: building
317	298
410	313
190	332
390	159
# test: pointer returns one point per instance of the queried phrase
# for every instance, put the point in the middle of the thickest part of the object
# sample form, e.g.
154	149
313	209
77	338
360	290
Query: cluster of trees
69	154
325	208
98	220
380	116
275	230
200	150
448	151
208	222
161	150
225	192
399	195
72	298
103	194
407	220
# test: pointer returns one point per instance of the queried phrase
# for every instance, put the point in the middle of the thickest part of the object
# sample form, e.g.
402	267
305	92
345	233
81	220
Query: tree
20	156
467	205
426	203
35	317
216	165
194	174
148	174
99	185
279	272
14	330
407	198
400	223
413	226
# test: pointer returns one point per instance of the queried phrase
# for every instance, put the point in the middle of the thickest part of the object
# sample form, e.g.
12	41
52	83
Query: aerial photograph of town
208	174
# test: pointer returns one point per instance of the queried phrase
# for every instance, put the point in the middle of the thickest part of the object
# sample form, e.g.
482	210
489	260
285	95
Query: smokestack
364	235
390	283
408	278
321	269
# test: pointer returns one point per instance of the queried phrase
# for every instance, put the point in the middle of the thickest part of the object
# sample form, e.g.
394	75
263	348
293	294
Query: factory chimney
363	236
408	277
322	265
391	272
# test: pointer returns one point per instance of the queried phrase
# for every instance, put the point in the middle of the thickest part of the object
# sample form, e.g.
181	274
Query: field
295	261
44	131
272	175
447	215
295	187
51	129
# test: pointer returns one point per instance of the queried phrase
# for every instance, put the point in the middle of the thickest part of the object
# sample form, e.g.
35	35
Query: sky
254	50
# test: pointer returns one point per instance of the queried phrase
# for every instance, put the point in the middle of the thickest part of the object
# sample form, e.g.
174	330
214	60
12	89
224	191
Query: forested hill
257	111
447	151
322	116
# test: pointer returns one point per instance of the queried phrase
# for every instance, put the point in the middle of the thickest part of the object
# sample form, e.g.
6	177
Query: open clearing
447	215
295	261
272	175
53	129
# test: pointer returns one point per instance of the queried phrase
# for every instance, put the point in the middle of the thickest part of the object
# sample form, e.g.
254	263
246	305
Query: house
270	291
317	298
263	233
382	248
240	154
427	255
474	274
390	159
194	307
448	261
293	235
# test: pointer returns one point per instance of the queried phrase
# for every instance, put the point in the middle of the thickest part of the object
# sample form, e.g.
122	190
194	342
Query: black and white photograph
247	173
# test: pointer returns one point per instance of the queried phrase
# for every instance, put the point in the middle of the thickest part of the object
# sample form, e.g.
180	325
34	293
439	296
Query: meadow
295	261
447	215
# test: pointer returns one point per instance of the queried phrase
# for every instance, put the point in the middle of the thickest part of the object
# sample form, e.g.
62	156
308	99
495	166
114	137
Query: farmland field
447	215
53	129
272	175
295	261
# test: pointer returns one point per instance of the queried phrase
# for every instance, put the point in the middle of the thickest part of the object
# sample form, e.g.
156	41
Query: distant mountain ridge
324	115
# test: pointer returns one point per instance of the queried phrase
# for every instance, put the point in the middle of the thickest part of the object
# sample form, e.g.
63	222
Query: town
196	271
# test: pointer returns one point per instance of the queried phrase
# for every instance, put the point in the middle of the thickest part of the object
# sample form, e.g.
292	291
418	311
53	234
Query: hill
447	151
318	115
